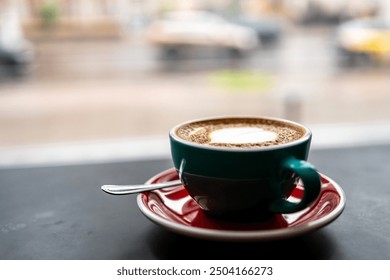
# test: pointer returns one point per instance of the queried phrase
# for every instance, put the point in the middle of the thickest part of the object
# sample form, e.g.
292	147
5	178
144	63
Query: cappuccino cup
243	168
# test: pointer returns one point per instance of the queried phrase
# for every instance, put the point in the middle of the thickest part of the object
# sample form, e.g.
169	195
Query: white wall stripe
157	147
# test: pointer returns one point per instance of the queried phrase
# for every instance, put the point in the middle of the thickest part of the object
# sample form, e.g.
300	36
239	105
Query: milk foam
242	135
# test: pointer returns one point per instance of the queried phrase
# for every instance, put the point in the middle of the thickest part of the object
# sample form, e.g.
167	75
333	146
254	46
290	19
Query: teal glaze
227	181
311	181
233	163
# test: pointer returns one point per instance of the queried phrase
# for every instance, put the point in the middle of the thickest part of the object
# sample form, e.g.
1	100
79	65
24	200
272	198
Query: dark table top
61	213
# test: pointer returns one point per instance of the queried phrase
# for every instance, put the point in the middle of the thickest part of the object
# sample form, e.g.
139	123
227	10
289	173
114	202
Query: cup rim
307	135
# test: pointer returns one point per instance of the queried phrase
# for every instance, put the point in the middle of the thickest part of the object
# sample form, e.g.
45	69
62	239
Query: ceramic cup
245	184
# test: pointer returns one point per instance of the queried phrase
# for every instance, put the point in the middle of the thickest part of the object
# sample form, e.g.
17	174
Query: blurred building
69	19
41	19
114	18
79	18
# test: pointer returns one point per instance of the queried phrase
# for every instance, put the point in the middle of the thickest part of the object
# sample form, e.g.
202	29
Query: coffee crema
240	132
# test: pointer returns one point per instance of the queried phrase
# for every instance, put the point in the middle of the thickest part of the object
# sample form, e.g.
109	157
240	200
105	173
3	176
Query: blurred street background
92	70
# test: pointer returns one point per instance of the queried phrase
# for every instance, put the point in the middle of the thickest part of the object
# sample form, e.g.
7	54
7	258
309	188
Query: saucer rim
252	235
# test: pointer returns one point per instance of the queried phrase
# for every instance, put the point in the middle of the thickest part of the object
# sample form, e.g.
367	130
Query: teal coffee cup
244	168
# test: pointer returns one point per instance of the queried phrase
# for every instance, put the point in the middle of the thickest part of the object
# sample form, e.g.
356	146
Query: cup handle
311	182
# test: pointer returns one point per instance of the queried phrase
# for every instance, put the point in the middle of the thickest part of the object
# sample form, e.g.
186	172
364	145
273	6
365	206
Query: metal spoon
131	189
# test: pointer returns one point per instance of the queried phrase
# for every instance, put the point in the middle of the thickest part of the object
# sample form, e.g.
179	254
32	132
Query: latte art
240	132
241	135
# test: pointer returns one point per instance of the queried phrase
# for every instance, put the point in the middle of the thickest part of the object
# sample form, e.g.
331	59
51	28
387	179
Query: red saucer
174	209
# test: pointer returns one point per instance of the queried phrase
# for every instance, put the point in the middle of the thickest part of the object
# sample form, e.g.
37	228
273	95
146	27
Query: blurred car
268	29
330	11
199	28
14	59
15	51
367	38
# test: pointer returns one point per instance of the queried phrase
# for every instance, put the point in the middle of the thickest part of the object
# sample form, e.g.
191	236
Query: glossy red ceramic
175	209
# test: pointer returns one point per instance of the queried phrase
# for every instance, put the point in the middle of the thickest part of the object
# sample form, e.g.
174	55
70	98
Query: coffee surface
240	132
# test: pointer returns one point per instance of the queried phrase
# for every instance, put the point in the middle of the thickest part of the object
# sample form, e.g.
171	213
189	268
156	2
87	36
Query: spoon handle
131	189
